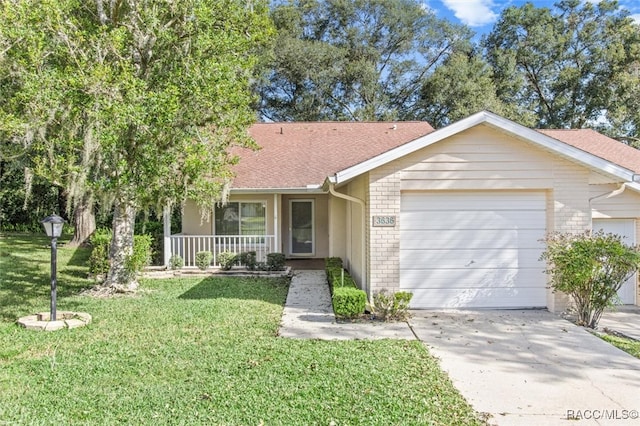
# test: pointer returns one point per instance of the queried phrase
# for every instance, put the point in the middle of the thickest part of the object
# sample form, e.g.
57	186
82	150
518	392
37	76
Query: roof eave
503	124
288	190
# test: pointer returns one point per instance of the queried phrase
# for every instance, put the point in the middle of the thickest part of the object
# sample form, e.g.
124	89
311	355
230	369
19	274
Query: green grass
628	345
196	351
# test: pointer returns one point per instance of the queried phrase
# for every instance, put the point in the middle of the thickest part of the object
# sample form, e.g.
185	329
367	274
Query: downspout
363	242
611	194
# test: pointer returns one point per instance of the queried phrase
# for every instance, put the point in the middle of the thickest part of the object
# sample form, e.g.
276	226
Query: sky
480	15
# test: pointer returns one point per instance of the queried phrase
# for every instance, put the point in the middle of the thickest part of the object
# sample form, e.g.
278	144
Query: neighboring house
456	215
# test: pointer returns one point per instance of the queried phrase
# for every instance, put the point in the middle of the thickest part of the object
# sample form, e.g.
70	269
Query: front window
240	218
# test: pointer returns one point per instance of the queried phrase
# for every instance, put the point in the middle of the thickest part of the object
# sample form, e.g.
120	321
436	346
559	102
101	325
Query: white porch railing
186	246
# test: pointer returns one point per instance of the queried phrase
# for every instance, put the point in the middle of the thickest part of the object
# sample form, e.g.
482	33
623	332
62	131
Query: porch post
166	226
276	223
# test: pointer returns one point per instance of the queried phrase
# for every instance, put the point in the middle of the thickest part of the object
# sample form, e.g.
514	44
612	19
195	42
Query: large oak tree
573	65
353	59
131	101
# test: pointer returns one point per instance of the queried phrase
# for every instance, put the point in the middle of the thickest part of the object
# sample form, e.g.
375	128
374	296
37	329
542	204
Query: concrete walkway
308	314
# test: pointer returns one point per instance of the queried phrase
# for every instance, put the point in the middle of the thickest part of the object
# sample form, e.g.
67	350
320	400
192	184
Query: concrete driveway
532	367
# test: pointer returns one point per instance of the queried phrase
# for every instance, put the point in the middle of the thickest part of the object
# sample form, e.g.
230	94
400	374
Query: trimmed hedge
275	261
226	260
348	300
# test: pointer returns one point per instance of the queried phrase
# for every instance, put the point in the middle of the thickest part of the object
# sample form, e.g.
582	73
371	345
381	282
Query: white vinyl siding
473	249
480	159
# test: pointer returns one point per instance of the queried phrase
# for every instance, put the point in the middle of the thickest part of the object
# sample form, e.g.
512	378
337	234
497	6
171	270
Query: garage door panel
474	278
473	248
497	297
473	259
487	200
457	239
471	219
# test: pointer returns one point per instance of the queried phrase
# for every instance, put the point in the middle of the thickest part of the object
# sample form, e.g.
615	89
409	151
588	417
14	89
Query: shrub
275	261
226	260
248	259
348	302
99	259
391	306
176	262
203	259
135	263
333	262
141	256
341	278
591	268
154	228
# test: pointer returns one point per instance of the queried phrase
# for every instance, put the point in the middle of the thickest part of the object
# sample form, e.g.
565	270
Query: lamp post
53	227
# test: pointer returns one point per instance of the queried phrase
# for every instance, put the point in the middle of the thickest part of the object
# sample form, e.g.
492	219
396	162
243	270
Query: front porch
186	246
293	224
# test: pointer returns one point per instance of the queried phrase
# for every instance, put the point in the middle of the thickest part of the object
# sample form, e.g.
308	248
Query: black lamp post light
53	227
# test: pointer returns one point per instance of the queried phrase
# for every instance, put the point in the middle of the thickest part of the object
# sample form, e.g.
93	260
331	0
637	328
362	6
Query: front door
627	229
301	229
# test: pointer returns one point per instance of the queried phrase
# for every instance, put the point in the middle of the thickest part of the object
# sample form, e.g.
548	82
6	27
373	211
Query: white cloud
635	17
475	13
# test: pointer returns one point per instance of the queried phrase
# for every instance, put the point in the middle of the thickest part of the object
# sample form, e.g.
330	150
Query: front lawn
196	351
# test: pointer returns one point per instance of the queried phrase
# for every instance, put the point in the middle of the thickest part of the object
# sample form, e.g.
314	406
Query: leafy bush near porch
275	261
336	275
333	262
338	278
391	306
348	300
248	260
226	260
142	254
176	262
99	258
203	259
591	268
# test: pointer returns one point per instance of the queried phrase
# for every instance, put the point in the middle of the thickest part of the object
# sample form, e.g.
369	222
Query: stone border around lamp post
65	319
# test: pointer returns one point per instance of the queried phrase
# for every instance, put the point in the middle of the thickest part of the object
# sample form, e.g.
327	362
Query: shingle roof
599	145
295	155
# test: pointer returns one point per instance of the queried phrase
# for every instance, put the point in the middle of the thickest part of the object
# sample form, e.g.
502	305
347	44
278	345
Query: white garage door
475	249
626	228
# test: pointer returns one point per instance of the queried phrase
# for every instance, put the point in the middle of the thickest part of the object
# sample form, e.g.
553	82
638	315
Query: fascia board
567	151
302	190
409	148
564	150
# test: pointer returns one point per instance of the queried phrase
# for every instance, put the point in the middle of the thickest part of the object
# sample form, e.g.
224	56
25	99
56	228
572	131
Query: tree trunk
84	221
119	278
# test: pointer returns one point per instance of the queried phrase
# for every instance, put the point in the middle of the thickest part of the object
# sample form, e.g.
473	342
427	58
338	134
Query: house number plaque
384	221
